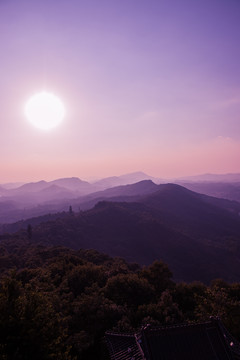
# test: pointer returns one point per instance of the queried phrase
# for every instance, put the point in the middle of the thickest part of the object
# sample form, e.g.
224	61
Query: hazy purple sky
151	85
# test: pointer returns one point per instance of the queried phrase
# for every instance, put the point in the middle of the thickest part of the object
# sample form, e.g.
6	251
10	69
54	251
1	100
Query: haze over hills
126	193
39	198
125	180
74	184
12	185
224	190
53	205
219	185
227	178
197	235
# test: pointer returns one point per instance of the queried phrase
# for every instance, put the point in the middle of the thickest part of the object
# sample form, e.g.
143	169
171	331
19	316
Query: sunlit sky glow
44	111
150	85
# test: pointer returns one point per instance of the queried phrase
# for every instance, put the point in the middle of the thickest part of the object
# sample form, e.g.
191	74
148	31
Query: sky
147	85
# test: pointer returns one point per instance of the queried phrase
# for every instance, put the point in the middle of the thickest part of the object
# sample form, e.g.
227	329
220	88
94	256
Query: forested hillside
196	235
57	303
58	296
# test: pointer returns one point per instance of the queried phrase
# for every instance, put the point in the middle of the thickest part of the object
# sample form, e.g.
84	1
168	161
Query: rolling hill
230	191
196	235
43	197
125	179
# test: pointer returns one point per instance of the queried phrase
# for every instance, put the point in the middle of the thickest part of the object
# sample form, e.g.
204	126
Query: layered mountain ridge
196	235
22	201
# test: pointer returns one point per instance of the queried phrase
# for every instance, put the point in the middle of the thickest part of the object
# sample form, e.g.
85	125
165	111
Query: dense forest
57	303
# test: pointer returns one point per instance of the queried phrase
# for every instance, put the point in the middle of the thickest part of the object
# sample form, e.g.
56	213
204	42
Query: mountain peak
72	183
33	186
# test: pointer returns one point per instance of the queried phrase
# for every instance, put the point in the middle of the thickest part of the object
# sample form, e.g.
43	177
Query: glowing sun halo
44	110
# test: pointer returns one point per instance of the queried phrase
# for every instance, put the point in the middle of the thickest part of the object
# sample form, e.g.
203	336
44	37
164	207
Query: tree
158	275
29	325
128	289
165	311
218	302
29	231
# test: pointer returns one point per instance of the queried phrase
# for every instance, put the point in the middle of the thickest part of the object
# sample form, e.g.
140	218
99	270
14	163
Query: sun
44	110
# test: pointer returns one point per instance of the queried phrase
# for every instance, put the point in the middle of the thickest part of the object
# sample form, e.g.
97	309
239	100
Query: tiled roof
198	342
202	341
123	347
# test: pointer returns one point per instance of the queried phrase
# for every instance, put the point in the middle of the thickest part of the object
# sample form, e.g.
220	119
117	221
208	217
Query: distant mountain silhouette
198	236
54	192
38	198
74	184
30	187
118	193
123	180
224	190
140	188
54	198
197	214
42	197
12	185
